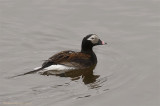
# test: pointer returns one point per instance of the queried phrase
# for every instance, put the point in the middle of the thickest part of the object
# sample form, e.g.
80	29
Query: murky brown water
127	69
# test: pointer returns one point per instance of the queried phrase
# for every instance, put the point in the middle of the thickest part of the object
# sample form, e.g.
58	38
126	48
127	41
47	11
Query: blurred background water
33	30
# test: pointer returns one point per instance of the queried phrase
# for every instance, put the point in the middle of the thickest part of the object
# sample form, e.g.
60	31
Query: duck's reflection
86	74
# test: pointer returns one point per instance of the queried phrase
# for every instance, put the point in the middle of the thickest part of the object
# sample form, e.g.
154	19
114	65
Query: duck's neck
89	50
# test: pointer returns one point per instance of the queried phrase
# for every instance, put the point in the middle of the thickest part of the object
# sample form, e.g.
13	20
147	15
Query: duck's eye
92	38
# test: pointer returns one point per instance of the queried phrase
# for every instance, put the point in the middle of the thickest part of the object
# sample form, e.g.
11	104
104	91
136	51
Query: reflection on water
86	74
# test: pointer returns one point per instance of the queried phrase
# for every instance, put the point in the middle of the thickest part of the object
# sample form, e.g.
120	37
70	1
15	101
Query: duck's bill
101	42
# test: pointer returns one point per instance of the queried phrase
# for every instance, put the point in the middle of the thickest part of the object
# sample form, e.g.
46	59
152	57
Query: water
32	31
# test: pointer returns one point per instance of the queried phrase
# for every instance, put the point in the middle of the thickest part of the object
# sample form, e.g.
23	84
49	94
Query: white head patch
94	39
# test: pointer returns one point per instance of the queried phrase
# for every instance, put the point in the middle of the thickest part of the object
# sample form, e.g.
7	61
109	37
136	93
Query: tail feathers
30	72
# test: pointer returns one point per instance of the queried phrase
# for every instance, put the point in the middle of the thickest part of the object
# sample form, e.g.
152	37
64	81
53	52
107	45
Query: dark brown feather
69	58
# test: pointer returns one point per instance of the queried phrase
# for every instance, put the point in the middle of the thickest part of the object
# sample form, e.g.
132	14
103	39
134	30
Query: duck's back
71	59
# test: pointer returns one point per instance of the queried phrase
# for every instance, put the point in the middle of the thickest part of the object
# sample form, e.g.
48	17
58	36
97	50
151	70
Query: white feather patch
57	67
94	39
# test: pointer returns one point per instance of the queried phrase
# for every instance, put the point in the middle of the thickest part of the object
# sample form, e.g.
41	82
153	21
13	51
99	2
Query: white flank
57	67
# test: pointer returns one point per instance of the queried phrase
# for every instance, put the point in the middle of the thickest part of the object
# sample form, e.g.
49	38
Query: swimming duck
71	60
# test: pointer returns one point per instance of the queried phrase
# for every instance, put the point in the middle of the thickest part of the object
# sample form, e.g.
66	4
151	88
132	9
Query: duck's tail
30	72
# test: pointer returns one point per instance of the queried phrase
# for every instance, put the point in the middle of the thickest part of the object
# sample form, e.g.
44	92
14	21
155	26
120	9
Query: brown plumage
71	59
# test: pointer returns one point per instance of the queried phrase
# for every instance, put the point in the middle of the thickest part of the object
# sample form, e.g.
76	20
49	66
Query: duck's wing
69	58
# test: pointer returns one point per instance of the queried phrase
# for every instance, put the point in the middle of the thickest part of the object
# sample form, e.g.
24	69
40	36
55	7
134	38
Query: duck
69	60
72	60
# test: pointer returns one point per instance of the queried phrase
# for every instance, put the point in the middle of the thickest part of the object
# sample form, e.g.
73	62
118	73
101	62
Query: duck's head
91	40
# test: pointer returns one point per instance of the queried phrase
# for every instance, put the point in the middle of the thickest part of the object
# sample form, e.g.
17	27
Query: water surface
32	31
